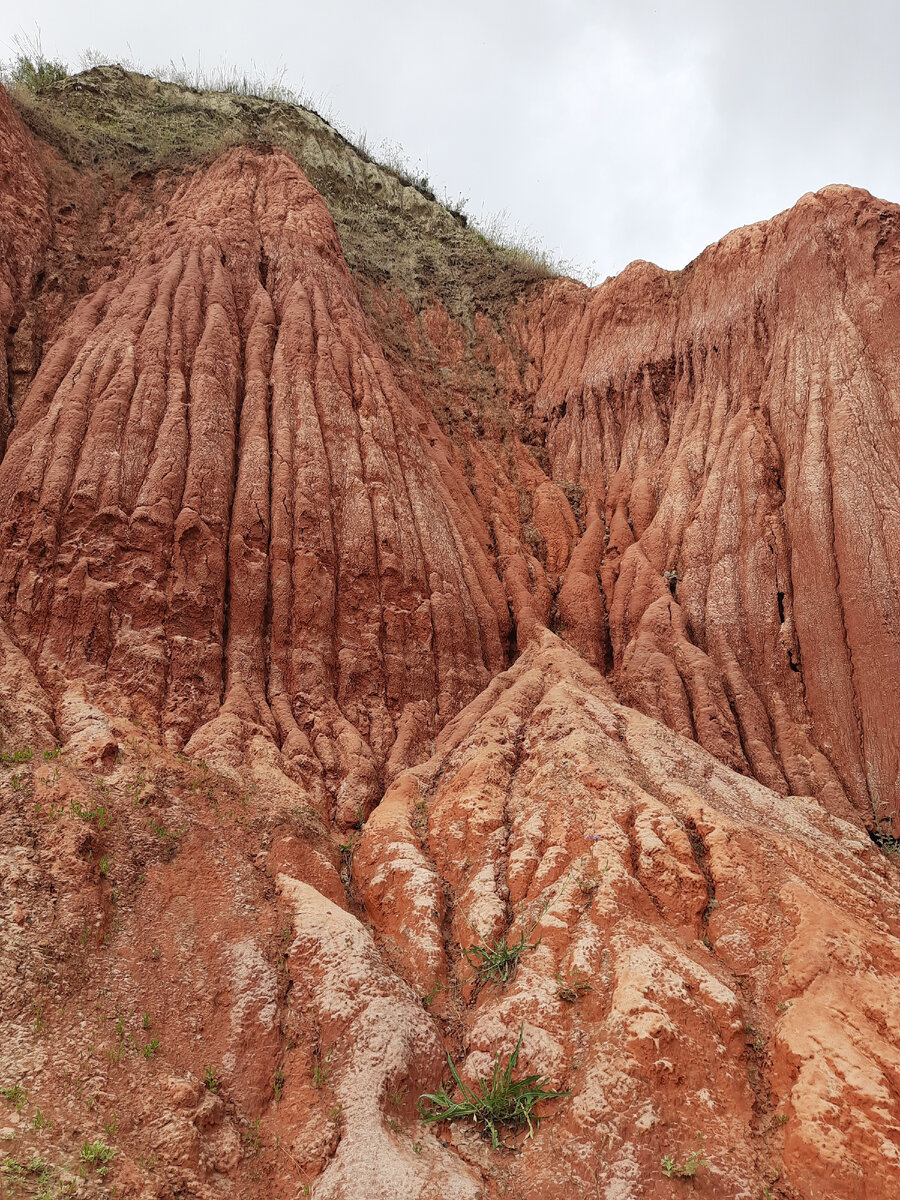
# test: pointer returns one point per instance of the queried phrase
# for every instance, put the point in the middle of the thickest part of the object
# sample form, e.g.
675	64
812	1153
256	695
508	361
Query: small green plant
14	757
755	1039
672	1169
104	864
279	1083
211	1079
97	813
251	1137
98	1155
13	1169
494	1102
498	960
151	1048
51	754
429	997
40	1021
137	786
347	848
111	1128
321	1071
145	1020
572	986
40	1121
16	1095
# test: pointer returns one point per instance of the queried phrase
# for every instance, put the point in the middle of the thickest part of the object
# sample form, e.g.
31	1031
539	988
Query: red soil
367	631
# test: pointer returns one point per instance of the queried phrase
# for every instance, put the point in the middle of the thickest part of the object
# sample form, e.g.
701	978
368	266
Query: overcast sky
611	131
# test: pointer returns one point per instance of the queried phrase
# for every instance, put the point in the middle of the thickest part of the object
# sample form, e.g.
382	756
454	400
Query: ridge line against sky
608	132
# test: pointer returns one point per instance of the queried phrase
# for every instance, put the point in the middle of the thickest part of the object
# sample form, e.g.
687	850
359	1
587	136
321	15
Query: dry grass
30	69
394	231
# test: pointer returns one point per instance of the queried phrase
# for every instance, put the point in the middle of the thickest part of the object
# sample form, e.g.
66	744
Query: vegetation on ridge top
115	118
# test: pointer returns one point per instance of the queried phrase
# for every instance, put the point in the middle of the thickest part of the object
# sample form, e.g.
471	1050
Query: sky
605	131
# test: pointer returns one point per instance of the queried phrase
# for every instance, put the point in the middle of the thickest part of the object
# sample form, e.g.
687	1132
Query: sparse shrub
494	1102
886	843
30	68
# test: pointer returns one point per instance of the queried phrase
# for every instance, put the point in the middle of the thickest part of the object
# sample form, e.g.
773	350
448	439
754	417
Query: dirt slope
352	615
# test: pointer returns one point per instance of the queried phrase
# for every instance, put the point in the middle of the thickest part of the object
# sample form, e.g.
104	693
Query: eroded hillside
366	599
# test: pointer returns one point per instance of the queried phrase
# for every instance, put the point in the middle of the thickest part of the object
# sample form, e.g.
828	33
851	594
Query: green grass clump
97	1154
498	960
672	1169
494	1102
31	68
14	757
16	1095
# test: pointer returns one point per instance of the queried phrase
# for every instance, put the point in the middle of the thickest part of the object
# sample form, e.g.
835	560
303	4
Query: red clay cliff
343	629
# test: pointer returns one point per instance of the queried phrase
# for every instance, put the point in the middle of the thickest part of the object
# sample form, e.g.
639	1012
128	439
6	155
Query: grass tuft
496	961
672	1169
494	1102
30	68
97	1154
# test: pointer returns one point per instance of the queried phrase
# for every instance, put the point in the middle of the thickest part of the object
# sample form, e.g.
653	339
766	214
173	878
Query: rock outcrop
347	625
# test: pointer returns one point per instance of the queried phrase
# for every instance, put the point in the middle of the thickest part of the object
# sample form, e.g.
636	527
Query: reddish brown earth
342	628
